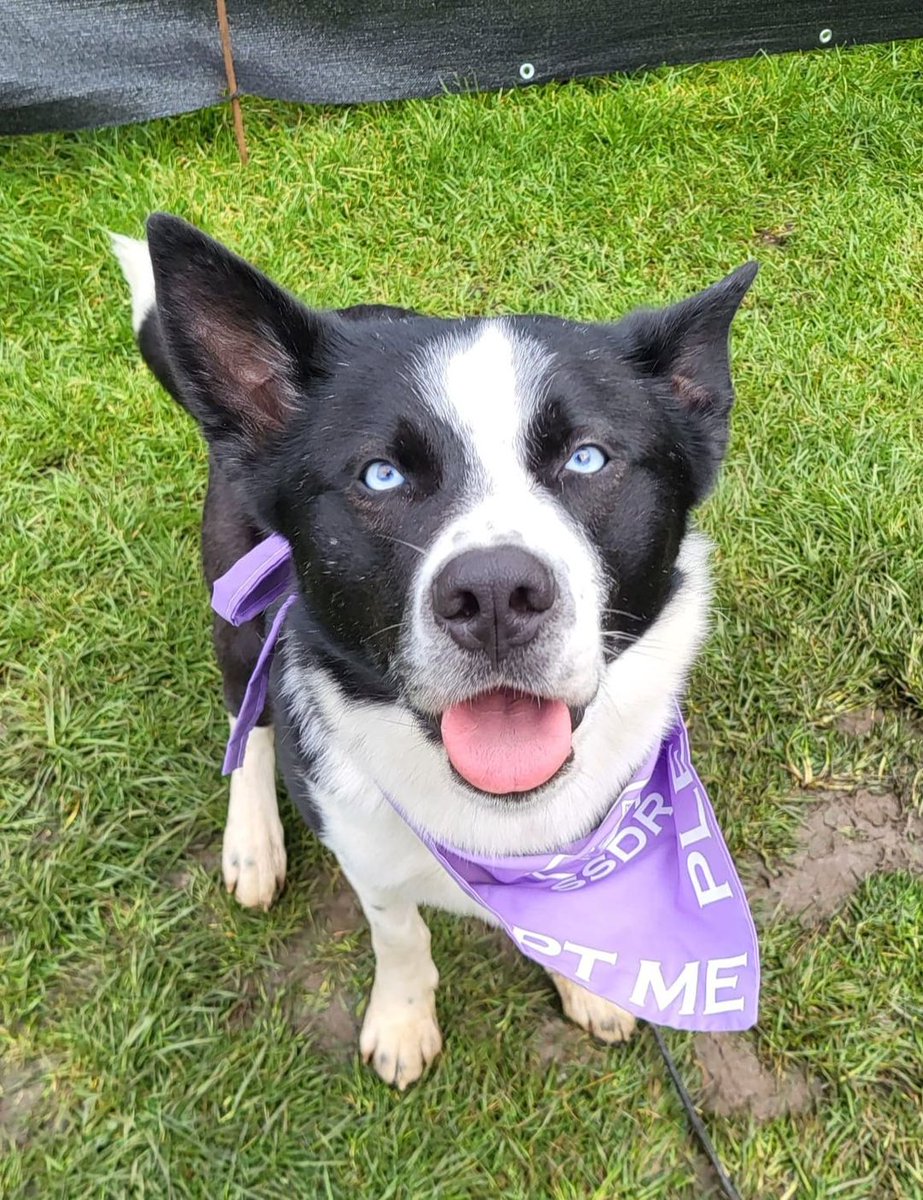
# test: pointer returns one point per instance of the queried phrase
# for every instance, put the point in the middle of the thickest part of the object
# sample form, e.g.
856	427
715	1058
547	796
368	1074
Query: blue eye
586	460
381	476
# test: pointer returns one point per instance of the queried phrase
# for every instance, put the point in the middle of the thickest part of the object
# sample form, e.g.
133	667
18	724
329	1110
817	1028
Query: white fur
483	386
486	390
136	266
253	854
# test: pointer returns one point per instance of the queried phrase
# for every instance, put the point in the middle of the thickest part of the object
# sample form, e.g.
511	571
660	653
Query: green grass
150	1008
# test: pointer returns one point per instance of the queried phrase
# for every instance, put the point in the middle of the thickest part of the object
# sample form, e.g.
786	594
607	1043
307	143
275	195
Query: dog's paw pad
400	1041
599	1017
253	858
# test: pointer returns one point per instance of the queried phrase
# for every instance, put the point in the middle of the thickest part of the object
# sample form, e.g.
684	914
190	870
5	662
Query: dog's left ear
241	350
686	347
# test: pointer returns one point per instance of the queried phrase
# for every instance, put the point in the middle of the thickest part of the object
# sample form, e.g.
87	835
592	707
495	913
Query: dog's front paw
601	1018
400	1037
253	856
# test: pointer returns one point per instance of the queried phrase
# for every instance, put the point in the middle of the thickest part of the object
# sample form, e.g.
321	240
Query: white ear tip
127	250
135	262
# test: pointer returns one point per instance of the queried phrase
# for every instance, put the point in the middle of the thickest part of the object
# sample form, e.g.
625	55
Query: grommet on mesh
527	71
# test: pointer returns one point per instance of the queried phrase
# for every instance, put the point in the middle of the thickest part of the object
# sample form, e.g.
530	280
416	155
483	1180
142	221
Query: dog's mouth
506	742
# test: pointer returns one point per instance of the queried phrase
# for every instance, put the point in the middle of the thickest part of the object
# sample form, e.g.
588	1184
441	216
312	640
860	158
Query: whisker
620	612
379	632
628	638
401	542
652	654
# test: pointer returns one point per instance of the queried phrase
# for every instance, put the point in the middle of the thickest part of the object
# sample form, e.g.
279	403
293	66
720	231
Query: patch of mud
332	1028
315	1009
844	839
21	1091
315	1004
706	1184
859	723
241	1014
557	1042
208	857
776	236
339	913
296	964
736	1083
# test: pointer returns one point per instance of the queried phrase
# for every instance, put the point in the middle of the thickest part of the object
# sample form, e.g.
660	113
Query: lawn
156	1039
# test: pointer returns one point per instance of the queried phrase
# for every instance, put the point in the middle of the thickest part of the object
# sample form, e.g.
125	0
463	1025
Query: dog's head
485	513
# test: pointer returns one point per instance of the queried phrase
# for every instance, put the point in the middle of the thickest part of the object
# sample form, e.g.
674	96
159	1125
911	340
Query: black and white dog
500	595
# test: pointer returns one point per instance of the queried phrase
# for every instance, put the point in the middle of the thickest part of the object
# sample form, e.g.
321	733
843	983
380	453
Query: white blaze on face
489	403
486	387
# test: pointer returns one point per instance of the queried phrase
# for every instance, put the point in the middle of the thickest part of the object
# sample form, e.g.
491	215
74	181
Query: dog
500	592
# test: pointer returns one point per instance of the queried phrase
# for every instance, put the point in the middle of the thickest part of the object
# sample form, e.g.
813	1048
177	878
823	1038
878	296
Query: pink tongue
506	742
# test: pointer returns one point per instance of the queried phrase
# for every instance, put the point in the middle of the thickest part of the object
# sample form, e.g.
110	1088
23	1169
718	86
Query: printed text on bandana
665	820
710	985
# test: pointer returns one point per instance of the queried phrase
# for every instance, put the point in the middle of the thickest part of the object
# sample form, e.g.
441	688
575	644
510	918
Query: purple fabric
647	910
254	583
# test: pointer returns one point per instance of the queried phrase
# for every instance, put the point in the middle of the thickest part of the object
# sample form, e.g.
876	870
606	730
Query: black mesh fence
67	64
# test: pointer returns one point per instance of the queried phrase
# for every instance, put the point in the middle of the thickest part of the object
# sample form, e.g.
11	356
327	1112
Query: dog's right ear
242	350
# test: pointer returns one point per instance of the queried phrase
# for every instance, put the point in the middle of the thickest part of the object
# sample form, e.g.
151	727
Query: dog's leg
253	852
400	1034
601	1018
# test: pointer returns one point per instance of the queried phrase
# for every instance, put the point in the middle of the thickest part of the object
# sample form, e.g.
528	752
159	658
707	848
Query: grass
151	1015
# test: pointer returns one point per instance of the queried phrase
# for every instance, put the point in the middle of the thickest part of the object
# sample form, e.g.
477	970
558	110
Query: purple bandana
647	911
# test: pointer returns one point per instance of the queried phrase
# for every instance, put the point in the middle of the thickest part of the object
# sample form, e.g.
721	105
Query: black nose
493	599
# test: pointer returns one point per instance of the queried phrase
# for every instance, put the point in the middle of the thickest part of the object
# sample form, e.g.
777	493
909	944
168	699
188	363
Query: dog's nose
493	599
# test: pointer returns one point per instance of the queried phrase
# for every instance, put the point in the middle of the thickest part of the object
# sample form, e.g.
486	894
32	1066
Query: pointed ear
241	348
686	347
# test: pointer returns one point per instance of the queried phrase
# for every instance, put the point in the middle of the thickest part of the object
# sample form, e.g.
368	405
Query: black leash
698	1126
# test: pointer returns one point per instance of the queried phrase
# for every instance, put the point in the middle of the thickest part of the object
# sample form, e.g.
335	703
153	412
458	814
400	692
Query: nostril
535	596
462	607
521	600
